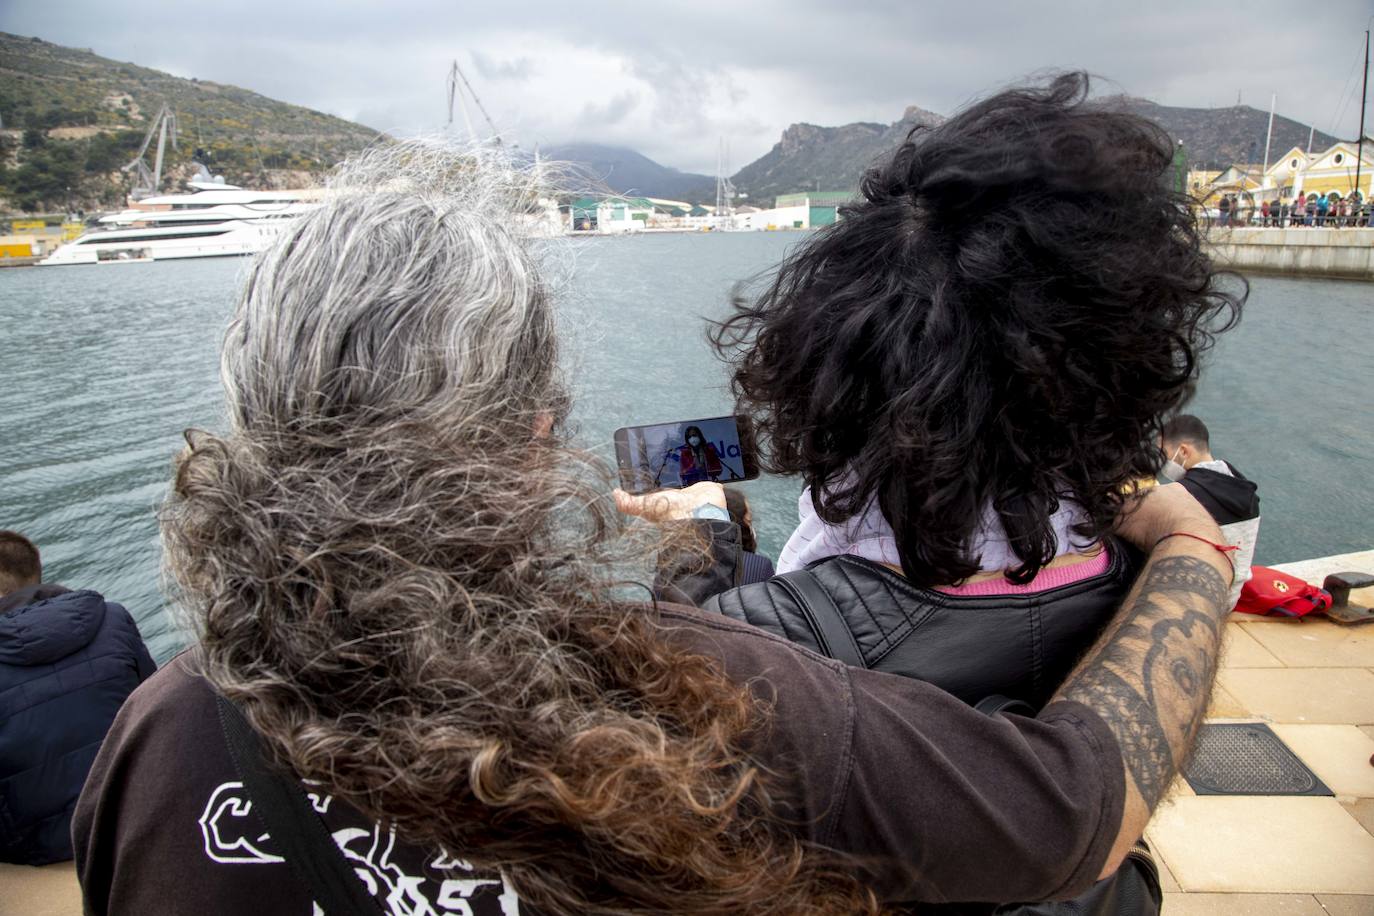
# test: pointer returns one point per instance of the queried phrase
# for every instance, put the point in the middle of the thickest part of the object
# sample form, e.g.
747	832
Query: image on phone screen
684	452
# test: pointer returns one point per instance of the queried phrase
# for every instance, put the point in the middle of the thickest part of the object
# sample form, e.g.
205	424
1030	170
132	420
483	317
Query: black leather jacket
1017	646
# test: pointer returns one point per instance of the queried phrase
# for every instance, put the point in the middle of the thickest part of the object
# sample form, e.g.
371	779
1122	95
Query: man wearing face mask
698	459
1231	499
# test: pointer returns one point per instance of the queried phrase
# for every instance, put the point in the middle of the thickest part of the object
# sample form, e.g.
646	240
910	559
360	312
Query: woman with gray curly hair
409	585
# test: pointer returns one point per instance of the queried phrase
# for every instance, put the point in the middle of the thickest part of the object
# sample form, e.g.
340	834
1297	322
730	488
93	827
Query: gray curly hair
411	590
403	298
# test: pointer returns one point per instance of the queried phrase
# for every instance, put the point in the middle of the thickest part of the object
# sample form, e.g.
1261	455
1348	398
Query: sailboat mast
1364	96
1268	135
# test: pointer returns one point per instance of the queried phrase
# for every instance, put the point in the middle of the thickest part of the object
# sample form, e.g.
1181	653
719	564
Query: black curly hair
1002	320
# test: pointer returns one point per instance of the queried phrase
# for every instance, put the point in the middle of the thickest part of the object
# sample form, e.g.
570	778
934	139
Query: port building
1330	170
822	207
613	214
802	210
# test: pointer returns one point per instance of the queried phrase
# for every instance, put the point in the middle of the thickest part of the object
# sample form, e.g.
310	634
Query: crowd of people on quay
419	682
1322	211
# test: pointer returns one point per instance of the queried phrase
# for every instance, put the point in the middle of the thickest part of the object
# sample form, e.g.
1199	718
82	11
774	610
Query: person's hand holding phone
670	505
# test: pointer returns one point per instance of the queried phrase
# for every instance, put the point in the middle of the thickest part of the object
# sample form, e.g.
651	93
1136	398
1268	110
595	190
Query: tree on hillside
45	177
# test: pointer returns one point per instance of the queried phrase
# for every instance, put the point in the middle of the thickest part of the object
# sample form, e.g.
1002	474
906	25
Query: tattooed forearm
1150	678
1144	744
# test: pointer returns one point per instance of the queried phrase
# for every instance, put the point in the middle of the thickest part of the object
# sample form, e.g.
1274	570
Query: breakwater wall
1347	253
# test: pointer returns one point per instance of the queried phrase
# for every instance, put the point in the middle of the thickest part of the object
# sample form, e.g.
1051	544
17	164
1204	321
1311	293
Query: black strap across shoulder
297	832
832	632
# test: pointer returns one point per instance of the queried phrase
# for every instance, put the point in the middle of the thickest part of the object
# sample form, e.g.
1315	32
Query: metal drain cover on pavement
1247	758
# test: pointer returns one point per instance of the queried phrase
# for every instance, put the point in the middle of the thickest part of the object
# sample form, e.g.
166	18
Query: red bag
1271	593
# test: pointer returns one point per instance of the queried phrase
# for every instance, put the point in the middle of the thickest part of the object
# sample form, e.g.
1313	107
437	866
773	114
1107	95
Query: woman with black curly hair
969	371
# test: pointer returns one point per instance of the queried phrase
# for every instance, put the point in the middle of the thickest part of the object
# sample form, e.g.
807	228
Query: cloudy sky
670	78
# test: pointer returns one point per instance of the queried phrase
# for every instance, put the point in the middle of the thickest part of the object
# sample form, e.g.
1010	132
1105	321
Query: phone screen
684	452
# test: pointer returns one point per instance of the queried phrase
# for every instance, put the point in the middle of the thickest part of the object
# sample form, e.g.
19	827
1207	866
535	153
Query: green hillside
73	118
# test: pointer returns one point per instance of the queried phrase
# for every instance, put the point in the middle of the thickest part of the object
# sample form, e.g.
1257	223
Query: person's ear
543	424
1187	455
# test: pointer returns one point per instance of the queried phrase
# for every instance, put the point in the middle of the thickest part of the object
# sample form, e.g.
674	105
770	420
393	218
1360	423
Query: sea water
105	366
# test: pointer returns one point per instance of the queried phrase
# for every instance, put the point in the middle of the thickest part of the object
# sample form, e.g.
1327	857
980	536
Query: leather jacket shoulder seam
753	632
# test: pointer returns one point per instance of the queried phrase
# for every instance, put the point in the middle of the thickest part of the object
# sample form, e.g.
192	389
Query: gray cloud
520	68
609	114
550	71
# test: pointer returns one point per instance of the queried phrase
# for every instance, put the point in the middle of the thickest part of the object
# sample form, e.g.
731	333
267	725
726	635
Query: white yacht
213	220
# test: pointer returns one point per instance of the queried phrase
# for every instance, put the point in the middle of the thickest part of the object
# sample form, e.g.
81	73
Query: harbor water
105	366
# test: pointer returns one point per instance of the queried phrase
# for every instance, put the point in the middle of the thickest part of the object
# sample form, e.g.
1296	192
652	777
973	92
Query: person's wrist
1191	525
1162	510
1198	547
671	505
709	511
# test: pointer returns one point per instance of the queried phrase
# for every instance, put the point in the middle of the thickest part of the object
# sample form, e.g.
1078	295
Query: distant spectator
756	567
1264	214
68	660
1310	210
1323	208
1225	209
1228	495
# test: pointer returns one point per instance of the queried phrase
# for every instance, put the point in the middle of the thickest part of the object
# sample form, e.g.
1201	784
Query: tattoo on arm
1151	676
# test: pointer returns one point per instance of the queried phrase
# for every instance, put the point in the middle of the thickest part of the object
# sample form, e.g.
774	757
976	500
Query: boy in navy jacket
68	660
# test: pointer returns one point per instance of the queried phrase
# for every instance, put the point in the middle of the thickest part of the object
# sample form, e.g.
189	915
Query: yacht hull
223	221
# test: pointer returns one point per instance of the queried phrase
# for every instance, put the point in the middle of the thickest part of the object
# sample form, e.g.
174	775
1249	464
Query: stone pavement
48	891
1312	681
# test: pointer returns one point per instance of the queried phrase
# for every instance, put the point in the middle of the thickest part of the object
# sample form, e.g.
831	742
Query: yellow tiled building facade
1323	172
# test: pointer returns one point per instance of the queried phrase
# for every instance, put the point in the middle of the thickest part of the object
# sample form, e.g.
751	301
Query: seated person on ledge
1230	497
68	660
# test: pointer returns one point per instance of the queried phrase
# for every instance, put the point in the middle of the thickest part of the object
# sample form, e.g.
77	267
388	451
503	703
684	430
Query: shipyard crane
146	181
724	217
457	84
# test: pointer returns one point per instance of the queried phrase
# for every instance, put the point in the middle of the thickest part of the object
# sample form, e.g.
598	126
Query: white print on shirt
232	837
317	801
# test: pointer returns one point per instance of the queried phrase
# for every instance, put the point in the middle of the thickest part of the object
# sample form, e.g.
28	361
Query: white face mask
1172	470
693	441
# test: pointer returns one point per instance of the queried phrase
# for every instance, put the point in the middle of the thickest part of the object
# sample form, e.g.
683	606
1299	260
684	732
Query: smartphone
684	452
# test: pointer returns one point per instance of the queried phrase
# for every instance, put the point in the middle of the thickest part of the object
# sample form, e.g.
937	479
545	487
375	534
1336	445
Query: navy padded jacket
68	660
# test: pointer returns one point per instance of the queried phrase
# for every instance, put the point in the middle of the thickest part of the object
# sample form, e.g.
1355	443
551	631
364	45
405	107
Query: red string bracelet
1224	549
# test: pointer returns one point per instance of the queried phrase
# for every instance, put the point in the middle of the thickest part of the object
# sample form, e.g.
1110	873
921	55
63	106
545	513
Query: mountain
825	158
72	118
834	158
627	172
1217	137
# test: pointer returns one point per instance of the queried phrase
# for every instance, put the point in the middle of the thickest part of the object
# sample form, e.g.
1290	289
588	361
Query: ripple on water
104	368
